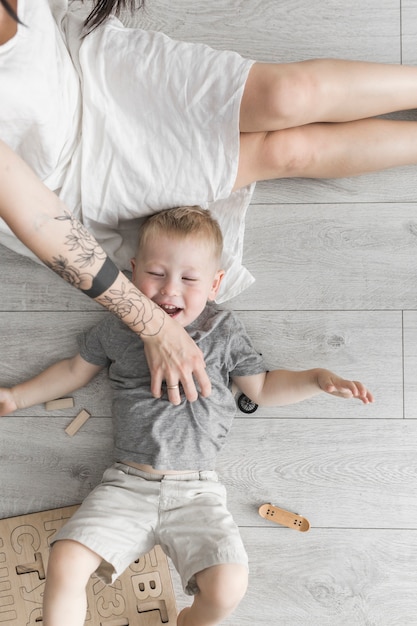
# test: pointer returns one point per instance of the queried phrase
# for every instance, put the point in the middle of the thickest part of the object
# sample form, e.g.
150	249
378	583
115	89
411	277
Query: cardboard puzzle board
142	596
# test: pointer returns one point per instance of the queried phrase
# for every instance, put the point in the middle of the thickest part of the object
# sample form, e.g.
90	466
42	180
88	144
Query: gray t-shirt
153	431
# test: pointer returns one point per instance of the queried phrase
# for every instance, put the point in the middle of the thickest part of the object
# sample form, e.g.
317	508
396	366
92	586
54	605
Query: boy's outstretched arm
56	381
281	387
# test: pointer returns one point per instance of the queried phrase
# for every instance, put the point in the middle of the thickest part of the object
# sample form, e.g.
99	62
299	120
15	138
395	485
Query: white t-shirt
123	123
40	104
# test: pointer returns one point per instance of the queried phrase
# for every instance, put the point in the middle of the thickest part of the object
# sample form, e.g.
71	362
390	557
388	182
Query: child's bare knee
224	586
71	564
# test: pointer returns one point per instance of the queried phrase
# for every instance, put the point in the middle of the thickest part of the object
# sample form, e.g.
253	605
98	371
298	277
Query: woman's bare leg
69	569
221	589
327	150
286	95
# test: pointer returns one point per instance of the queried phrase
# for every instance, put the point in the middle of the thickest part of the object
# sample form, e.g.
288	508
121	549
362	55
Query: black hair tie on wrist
104	279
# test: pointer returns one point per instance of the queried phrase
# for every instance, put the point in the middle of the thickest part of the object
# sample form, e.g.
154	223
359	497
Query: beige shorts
131	511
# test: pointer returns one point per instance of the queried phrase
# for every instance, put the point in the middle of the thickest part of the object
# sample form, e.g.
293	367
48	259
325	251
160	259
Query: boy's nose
169	288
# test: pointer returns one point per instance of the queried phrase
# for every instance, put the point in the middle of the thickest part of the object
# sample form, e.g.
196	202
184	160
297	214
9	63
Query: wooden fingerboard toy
286	518
142	596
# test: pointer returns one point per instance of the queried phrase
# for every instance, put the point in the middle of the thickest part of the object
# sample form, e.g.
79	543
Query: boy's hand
7	402
332	383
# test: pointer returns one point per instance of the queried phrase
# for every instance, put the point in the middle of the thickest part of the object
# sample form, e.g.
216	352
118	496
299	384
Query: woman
122	123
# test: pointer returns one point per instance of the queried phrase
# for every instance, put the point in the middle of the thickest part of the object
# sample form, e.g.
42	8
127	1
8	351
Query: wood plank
409	32
285	31
410	364
42	468
30	342
338	474
395	185
331	257
327	577
26	285
362	345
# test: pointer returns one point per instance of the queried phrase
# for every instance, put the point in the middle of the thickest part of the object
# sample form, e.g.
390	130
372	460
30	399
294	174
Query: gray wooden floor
336	270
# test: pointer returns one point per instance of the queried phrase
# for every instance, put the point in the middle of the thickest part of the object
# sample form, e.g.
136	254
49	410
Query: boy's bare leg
286	95
327	150
221	588
69	569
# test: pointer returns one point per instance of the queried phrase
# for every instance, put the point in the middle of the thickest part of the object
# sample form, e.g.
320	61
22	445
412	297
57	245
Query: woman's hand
174	357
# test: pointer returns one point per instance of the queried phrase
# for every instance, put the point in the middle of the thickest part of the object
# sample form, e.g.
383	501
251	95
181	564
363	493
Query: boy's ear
133	266
217	280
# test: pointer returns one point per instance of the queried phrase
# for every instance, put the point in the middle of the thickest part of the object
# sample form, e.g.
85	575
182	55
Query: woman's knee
277	154
286	154
290	153
279	96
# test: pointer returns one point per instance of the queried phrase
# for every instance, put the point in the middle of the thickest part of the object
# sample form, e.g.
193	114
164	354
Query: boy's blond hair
182	222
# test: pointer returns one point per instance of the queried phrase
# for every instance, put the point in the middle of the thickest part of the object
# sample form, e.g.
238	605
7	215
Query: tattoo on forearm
103	280
88	252
80	240
127	303
70	273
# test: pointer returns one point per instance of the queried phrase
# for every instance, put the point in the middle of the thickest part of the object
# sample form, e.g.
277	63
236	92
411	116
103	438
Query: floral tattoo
127	302
88	252
79	239
70	273
124	302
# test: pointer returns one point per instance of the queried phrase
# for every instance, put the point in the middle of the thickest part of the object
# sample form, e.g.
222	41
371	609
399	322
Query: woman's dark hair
10	11
102	9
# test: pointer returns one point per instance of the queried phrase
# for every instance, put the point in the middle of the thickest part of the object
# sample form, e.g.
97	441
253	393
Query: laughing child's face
179	273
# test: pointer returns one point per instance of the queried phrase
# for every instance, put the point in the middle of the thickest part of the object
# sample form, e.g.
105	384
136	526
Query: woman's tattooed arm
39	219
87	253
146	318
108	285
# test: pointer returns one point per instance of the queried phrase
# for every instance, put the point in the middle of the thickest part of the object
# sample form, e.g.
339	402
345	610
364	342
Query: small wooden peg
61	403
77	422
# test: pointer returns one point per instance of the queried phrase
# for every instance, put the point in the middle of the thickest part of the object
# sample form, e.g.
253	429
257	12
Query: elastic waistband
199	475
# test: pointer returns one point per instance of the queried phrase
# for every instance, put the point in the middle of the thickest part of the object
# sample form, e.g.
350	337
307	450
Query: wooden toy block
77	422
142	596
60	403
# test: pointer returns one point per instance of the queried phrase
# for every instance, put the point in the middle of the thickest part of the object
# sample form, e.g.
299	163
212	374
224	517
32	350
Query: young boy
163	487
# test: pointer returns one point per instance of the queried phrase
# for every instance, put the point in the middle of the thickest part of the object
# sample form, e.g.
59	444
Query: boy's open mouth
170	309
